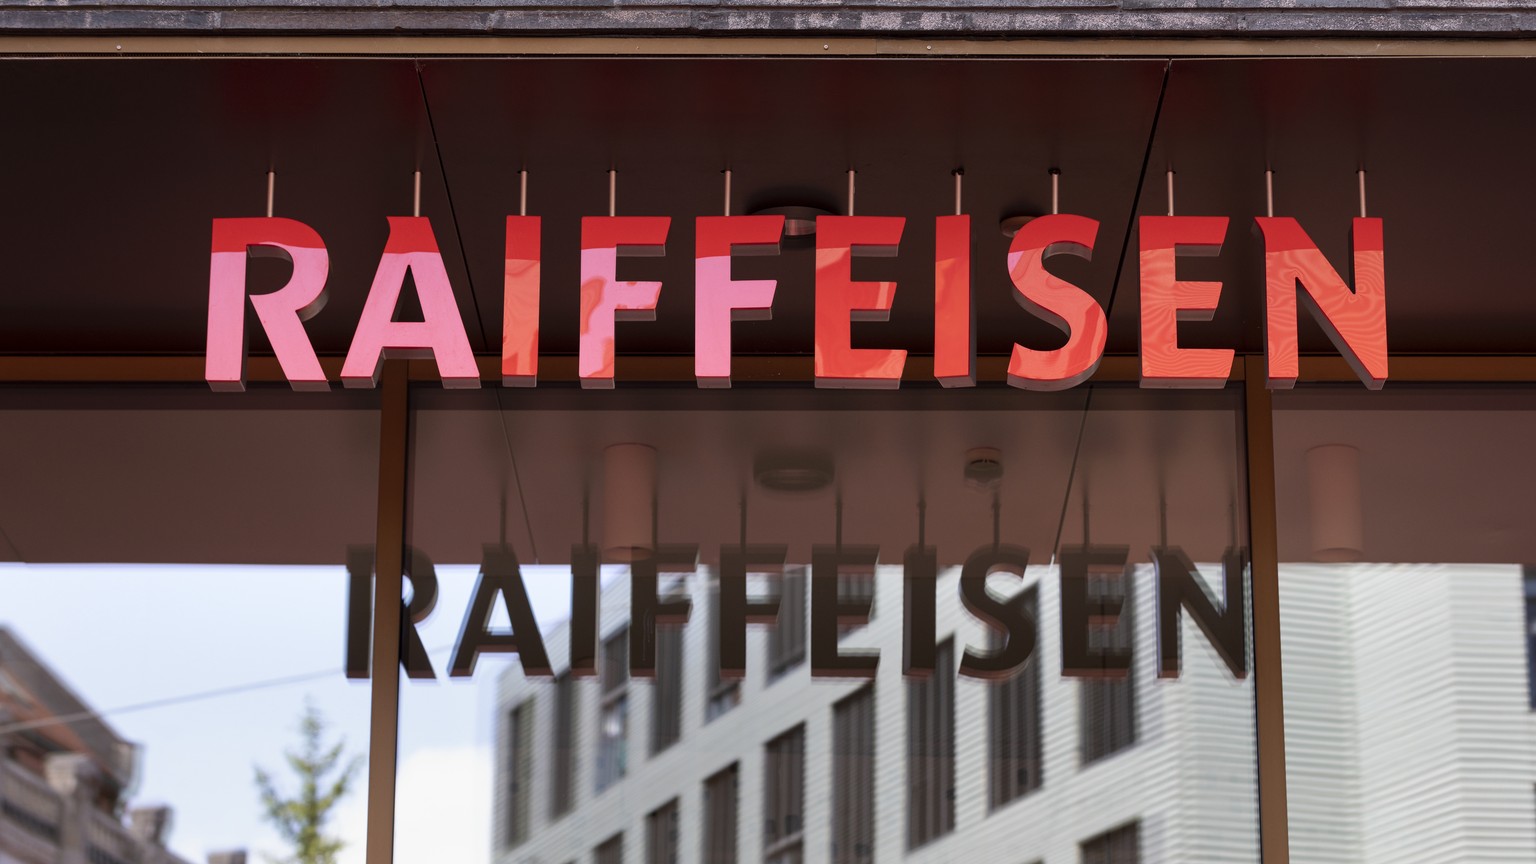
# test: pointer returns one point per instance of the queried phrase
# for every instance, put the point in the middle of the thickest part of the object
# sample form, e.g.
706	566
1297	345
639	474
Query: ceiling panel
527	468
116	167
1447	170
789	131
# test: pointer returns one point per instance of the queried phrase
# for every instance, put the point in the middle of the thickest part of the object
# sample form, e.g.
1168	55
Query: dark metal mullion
389	547
1263	540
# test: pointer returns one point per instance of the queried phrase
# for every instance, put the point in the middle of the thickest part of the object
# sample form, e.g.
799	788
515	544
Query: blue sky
126	634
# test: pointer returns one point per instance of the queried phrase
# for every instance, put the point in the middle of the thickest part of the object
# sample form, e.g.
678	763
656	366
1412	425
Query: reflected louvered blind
853	778
562	777
1107	715
667	693
1120	846
786	641
661	829
720	808
784	793
931	751
611	852
1014	745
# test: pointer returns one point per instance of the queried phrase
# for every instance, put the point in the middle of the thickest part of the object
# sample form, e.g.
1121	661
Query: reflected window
661	835
611	852
720	809
667	692
519	771
853	778
931	751
858	588
1120	846
1107	706
1016	759
1530	633
724	694
786	641
784	798
613	725
563	733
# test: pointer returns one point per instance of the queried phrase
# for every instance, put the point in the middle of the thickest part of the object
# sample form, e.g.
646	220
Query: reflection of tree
301	819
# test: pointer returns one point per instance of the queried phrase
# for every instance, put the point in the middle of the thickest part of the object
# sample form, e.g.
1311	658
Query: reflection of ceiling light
793	470
983	467
799	221
1333	487
1011	225
629	501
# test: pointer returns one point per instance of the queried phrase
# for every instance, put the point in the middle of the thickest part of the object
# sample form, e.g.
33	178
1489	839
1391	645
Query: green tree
324	777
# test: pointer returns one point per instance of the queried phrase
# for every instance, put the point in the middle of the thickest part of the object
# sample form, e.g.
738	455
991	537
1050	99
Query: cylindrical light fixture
629	501
1333	485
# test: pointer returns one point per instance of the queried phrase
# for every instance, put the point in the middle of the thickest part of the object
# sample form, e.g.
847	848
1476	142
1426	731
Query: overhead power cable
171	701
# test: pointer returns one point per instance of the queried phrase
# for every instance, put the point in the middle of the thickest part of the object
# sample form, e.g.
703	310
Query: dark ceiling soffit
1065	18
632	371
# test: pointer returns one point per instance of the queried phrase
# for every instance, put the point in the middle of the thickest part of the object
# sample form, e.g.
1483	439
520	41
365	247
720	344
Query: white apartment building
781	767
1410	736
63	784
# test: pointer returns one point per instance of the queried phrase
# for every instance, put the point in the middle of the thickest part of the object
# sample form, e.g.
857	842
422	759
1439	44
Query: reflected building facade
784	767
1410	735
64	784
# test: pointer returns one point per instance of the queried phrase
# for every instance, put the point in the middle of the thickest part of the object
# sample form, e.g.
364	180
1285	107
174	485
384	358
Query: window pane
179	571
1405	546
787	762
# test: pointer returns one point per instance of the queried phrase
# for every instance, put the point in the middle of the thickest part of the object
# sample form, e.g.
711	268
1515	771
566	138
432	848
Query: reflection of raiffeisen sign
1354	319
1083	610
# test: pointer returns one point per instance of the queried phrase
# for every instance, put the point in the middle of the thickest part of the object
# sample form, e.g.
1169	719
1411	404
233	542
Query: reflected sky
124	635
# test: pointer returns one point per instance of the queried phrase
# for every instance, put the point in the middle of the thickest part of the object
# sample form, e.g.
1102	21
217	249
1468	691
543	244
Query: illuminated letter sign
1165	301
1353	317
412	248
718	299
840	301
520	303
282	313
1062	304
954	313
604	298
1356	320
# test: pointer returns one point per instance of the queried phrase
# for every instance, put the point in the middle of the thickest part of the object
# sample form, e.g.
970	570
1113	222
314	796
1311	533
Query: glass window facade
172	678
774	621
1402	558
943	756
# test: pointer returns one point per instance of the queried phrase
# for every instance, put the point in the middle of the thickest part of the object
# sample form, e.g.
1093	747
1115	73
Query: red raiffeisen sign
1355	318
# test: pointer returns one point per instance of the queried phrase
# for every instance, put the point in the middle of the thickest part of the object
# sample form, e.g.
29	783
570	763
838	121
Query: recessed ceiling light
799	220
983	467
1011	225
793	470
